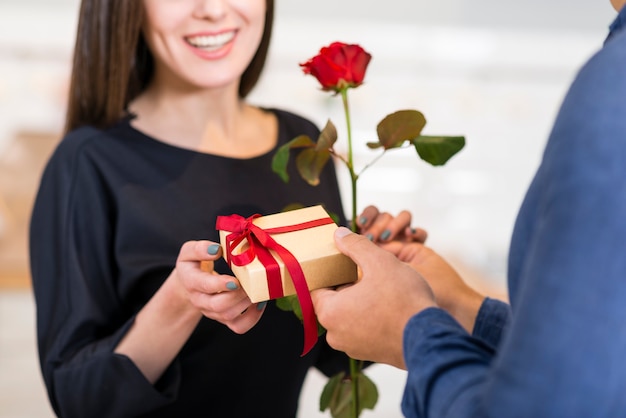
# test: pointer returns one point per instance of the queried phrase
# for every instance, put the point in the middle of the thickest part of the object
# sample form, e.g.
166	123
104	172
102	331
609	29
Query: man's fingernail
386	233
231	286
213	249
261	305
342	231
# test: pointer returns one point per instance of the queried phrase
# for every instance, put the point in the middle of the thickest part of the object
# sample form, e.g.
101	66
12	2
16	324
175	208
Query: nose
210	9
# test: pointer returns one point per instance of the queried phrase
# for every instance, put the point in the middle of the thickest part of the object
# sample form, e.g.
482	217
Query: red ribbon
260	242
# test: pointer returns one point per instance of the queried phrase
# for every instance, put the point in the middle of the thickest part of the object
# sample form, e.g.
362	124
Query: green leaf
399	127
334	217
368	393
284	303
437	150
341	398
327	138
311	161
291	303
292	206
329	390
337	395
310	164
281	158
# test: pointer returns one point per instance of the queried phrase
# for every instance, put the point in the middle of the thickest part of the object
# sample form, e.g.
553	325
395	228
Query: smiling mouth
210	42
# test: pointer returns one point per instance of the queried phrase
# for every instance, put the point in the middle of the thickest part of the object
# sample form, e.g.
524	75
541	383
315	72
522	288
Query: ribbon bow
260	243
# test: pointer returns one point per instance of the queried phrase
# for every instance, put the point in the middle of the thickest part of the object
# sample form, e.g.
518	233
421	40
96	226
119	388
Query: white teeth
211	41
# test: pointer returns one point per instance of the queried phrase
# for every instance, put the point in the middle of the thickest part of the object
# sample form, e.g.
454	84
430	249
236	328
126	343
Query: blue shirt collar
618	24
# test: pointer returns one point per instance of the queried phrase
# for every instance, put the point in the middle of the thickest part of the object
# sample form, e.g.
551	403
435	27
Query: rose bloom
338	66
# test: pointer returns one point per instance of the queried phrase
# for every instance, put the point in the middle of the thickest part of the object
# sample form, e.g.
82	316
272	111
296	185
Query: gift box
305	234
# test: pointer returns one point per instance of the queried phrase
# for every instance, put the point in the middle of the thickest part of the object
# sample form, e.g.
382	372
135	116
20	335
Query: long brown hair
112	63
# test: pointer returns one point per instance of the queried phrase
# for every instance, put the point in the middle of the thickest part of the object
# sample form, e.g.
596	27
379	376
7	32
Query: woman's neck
214	122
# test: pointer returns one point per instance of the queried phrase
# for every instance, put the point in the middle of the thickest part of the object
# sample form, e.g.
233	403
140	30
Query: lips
211	42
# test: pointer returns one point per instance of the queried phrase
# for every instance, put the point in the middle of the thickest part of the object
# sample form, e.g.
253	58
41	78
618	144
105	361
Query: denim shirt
560	350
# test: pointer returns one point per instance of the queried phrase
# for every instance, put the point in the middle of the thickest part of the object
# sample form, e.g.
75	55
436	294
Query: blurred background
492	70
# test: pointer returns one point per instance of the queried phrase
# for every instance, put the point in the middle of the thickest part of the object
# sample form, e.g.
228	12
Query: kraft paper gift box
313	247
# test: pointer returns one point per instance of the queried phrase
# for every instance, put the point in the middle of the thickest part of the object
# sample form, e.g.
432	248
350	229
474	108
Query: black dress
112	211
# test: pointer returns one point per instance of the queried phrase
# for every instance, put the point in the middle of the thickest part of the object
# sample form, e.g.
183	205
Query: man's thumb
355	246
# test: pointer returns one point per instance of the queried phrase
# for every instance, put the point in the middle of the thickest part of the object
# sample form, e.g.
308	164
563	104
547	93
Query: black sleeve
79	317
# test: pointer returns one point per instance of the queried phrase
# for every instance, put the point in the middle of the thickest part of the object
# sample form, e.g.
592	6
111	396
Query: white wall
491	70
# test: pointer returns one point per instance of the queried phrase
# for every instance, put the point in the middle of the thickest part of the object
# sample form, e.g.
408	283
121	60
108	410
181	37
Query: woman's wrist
176	298
466	308
160	330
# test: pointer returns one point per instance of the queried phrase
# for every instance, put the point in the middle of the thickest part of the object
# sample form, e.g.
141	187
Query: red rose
338	66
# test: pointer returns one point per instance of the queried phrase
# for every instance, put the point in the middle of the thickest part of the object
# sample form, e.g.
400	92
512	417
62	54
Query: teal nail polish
370	237
385	235
362	220
213	249
261	305
413	230
231	286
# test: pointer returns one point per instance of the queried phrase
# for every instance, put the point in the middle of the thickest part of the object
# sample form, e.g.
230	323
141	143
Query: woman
159	142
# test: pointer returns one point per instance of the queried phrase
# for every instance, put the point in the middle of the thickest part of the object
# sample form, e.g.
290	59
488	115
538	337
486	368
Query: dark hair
112	63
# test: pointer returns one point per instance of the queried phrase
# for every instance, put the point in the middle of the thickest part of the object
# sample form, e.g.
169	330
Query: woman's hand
383	227
451	291
395	235
163	326
217	296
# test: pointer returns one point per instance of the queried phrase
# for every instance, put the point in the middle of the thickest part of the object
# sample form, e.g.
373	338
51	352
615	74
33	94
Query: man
559	350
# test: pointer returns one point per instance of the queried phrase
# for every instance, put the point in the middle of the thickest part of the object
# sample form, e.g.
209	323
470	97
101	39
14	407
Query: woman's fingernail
385	235
231	286
370	237
362	220
213	249
261	305
413	230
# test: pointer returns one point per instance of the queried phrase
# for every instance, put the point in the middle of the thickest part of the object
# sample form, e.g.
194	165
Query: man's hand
367	319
